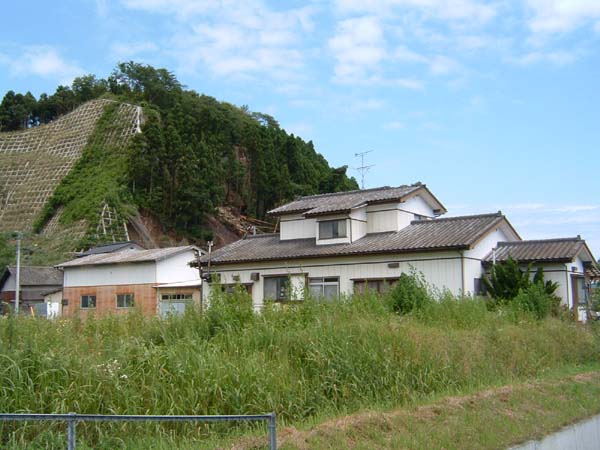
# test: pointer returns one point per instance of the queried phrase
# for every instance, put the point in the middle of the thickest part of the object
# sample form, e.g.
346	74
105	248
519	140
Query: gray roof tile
420	235
127	256
344	201
38	275
550	250
109	248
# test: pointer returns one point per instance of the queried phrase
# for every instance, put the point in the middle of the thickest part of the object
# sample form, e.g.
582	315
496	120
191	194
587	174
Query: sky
493	104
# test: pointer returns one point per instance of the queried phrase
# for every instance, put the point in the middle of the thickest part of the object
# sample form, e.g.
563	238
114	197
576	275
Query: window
379	285
277	288
175	297
124	300
327	288
331	229
88	301
479	286
231	288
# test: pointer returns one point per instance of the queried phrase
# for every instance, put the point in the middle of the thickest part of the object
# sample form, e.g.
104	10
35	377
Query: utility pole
363	169
18	276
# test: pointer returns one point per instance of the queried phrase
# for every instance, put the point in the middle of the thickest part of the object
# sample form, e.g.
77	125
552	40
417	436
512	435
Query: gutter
462	271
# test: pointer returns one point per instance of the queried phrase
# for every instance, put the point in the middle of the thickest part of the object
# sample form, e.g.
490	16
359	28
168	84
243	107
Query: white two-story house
334	244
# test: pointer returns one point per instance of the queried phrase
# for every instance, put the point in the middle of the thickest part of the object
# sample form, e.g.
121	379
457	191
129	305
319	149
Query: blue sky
493	104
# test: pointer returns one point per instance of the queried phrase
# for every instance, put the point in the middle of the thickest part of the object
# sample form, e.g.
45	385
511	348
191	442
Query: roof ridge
261	235
448	219
380	188
540	241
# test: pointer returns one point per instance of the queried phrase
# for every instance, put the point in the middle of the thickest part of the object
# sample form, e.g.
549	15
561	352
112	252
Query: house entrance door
580	297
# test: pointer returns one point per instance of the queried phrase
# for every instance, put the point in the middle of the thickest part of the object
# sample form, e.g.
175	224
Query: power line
363	169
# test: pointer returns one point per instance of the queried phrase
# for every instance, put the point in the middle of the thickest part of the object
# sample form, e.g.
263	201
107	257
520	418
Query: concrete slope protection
34	161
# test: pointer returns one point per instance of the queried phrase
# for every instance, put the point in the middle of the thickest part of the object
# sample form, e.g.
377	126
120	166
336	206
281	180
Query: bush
537	301
410	293
458	312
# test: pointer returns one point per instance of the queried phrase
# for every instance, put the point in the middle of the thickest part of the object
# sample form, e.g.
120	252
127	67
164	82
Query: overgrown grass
303	361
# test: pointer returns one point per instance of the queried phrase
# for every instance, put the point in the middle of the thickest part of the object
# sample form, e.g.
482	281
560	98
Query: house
334	244
155	281
564	261
35	282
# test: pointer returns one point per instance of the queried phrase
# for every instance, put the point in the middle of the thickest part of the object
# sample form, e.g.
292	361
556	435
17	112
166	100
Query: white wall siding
404	219
176	268
297	227
53	304
383	219
485	245
358	222
417	205
442	270
472	258
110	274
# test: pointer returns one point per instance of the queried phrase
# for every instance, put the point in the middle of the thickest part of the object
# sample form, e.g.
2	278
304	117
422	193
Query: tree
88	87
15	110
507	280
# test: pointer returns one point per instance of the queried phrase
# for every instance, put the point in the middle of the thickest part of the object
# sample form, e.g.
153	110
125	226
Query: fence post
71	431
272	432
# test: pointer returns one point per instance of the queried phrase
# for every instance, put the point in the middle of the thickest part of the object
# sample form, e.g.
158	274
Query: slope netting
33	162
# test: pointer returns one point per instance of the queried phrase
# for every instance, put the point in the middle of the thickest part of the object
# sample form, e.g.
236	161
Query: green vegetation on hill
100	175
306	361
195	153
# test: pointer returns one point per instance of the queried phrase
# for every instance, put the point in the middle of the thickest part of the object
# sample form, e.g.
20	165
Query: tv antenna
363	169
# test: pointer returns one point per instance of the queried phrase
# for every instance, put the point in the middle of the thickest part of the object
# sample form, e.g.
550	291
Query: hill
141	156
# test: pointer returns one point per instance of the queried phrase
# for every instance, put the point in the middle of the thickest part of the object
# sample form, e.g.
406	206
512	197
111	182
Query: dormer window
332	229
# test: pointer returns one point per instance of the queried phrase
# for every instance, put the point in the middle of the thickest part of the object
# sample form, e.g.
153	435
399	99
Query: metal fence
73	418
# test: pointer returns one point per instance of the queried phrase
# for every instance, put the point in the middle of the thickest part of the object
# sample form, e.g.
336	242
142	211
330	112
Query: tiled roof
550	250
593	272
109	248
38	275
127	256
344	201
420	235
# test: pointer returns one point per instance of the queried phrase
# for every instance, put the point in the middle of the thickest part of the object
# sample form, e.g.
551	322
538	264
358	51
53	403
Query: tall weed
298	361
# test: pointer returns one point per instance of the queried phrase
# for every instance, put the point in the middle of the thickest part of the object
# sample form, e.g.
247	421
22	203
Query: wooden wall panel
144	298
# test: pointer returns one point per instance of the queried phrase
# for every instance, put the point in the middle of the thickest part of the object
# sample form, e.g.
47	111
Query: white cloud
557	58
394	125
245	40
408	83
471	10
370	104
442	65
127	50
43	61
553	16
403	54
302	129
438	64
358	48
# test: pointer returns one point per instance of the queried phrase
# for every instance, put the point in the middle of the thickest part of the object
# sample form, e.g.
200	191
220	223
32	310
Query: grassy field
306	363
493	418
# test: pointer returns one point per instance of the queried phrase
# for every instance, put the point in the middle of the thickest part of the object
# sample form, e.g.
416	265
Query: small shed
564	261
35	281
